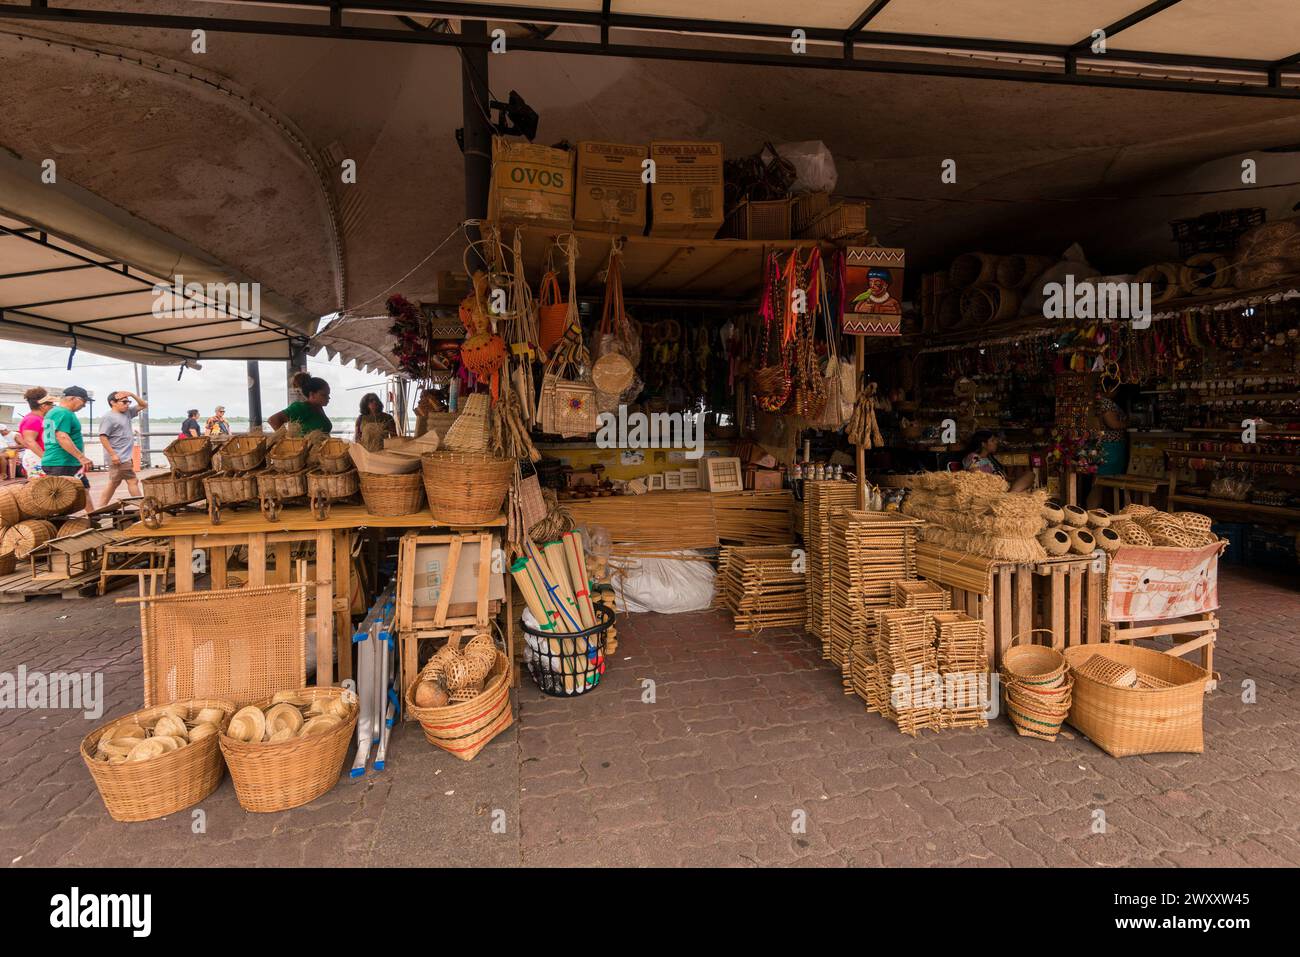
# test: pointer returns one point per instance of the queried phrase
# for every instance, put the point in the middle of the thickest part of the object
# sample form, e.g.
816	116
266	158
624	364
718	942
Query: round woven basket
1098	518
1135	511
145	790
1036	666
1193	521
612	373
391	495
285	774
465	729
331	456
466	488
1082	541
241	453
1131	533
1108	539
25	537
1055	541
1075	515
10	511
50	495
1038	714
289	455
1052	513
190	455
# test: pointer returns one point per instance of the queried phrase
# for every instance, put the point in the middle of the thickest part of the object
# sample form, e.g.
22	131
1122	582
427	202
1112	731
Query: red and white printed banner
1153	584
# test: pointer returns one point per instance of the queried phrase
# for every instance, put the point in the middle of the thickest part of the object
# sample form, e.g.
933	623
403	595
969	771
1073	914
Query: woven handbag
566	406
552	312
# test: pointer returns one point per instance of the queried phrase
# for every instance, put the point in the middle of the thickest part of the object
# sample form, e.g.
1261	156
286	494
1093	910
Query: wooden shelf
1283	434
1234	456
681	269
1228	504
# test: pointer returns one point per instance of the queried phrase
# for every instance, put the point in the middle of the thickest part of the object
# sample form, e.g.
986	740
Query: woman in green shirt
308	411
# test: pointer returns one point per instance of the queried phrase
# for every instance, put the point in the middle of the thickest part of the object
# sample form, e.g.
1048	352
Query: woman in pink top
31	430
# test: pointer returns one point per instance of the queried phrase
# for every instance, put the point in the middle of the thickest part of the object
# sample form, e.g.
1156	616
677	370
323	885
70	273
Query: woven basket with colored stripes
465	729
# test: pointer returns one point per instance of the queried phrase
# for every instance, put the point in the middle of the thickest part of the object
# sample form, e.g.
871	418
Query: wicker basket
8	561
145	790
289	455
326	487
1193	521
466	488
469	433
1141	720
286	774
1038	666
50	495
28	535
1038	712
391	495
226	488
276	488
171	489
240	454
331	456
11	512
465	729
190	455
1108	671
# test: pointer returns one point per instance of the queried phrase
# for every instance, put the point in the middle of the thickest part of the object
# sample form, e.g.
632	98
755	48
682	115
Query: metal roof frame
845	49
84	332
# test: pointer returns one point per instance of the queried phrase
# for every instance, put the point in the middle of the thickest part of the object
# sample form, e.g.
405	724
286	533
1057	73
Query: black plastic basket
1215	231
578	664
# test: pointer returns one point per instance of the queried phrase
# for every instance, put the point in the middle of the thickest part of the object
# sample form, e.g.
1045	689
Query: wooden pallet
20	586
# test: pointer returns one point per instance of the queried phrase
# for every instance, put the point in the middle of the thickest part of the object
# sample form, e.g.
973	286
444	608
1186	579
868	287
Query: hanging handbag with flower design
567	403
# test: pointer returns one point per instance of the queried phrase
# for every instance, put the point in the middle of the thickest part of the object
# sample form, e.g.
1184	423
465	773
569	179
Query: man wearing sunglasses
118	439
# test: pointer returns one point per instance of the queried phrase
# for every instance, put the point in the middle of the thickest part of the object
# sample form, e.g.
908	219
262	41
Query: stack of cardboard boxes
611	187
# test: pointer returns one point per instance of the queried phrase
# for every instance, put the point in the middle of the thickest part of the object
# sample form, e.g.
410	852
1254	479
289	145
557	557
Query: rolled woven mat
1203	274
970	269
1098	518
1020	271
1075	515
1164	280
987	303
1055	541
1082	542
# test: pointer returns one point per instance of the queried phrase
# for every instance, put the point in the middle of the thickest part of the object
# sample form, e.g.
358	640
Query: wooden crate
1065	595
758	219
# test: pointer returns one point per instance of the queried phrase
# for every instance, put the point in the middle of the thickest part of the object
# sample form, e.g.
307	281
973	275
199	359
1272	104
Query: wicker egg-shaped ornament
457	673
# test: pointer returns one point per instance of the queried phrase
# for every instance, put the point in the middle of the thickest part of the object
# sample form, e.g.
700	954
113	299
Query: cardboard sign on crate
1158	583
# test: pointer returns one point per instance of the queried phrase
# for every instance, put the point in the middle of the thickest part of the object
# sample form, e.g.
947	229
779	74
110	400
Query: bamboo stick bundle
955	569
657	522
754	518
576	555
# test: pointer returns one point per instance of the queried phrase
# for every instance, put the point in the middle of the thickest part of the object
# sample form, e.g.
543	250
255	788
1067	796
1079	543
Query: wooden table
333	538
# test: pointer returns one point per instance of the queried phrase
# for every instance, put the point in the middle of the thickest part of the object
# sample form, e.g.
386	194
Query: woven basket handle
1031	631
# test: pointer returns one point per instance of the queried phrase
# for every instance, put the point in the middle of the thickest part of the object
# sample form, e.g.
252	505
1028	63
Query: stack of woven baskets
976	513
25	513
1071	530
1036	687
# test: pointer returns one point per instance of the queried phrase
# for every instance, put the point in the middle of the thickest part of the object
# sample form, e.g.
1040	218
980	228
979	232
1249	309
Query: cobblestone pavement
745	737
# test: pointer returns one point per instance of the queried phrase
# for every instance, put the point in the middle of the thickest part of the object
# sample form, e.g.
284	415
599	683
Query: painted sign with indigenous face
873	301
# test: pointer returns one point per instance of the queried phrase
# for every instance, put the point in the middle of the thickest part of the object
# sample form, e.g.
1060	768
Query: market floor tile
700	747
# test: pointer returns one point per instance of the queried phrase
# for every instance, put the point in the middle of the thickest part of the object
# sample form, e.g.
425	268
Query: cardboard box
609	195
686	197
430	569
530	184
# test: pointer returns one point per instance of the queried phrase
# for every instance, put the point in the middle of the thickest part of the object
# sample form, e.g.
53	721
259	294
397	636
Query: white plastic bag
665	585
813	164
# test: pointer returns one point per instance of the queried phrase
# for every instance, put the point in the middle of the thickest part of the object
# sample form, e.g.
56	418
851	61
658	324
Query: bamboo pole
859	363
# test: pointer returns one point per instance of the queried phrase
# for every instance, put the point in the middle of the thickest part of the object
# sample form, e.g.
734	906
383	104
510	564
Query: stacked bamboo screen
820	498
657	523
869	552
754	518
761	588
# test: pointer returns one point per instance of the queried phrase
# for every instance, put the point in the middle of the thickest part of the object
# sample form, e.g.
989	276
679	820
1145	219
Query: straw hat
209	716
283	717
201	731
290	697
127	729
169	724
116	750
151	748
248	724
321	724
172	741
282	733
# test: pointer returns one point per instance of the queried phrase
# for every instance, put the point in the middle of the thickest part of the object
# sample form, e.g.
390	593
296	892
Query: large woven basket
288	455
466	488
1141	720
11	512
190	455
465	729
240	453
145	790
25	537
50	495
171	489
326	487
391	494
286	774
1037	712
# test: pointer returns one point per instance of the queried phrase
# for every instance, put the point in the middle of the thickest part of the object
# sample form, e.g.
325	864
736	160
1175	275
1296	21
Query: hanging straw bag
618	346
566	405
552	312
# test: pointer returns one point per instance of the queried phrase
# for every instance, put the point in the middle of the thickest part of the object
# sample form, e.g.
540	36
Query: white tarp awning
363	340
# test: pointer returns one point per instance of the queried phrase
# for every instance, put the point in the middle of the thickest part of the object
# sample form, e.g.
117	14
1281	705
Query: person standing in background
118	438
65	450
31	430
190	428
309	412
217	424
9	450
372	413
